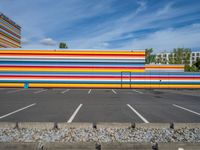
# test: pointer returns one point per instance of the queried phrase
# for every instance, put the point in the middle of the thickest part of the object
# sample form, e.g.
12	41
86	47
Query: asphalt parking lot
99	105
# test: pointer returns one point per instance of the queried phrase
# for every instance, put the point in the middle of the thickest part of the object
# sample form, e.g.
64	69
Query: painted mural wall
86	69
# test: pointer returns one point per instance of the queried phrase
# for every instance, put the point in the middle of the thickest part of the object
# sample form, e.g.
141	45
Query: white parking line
138	92
74	114
89	91
14	91
40	91
63	92
186	109
114	91
17	111
138	114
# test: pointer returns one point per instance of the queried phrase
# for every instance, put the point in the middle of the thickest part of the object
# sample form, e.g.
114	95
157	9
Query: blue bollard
26	85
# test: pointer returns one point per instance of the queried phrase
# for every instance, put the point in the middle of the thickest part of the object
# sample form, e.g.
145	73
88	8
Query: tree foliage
149	57
181	56
63	45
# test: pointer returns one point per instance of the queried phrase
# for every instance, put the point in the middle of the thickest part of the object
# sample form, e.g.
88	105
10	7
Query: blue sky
107	24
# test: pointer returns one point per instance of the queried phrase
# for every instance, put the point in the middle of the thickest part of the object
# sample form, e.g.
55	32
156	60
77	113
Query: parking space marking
138	92
89	91
14	91
40	91
74	114
114	91
17	111
63	92
137	113
186	109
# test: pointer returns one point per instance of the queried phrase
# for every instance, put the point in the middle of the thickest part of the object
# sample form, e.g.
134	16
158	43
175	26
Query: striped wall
10	35
86	69
164	68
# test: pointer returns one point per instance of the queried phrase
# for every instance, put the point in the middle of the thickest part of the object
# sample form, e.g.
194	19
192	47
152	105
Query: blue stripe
96	82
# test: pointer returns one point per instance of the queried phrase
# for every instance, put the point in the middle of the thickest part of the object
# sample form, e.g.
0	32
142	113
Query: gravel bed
103	135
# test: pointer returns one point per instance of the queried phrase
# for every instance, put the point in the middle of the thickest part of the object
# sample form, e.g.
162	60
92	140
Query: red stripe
110	77
94	67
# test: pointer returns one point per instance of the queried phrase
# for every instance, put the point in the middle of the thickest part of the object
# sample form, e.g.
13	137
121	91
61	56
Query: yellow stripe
34	85
76	85
11	85
158	67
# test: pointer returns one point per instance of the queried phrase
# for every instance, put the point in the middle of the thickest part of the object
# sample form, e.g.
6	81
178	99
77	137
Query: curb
19	146
69	146
113	125
63	125
127	146
177	146
186	125
36	125
7	125
153	125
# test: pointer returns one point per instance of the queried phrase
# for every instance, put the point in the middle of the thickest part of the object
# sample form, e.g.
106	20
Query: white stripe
17	111
186	109
114	91
84	57
89	91
137	113
40	91
138	91
65	91
14	91
74	114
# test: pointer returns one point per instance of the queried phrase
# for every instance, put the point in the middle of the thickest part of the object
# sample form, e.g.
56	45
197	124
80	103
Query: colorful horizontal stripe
88	69
164	68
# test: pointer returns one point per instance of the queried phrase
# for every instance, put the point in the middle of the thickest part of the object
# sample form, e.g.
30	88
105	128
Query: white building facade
164	57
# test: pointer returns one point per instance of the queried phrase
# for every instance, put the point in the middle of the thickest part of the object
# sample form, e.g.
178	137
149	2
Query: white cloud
25	41
188	36
142	6
48	42
166	9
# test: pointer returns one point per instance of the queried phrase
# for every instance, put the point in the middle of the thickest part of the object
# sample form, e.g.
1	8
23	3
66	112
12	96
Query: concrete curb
36	125
93	146
153	125
69	146
127	146
19	146
177	146
113	125
7	125
186	125
63	125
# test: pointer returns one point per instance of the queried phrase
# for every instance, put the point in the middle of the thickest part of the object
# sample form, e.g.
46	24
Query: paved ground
99	105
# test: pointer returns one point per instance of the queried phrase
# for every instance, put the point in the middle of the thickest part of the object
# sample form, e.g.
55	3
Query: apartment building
10	33
164	57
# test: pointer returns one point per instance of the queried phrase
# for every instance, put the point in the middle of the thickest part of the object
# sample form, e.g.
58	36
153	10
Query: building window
197	54
193	54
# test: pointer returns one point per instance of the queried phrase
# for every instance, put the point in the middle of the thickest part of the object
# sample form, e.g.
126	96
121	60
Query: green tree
63	45
149	57
197	65
181	56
